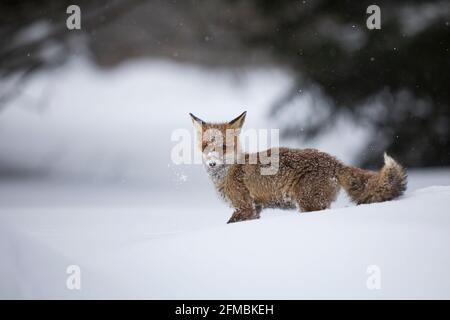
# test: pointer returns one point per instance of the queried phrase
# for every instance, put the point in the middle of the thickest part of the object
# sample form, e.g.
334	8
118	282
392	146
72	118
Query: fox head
219	142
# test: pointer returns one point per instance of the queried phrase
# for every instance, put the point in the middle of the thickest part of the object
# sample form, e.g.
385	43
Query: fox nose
212	164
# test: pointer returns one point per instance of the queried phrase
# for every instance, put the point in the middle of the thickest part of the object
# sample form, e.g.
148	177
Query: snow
91	184
164	247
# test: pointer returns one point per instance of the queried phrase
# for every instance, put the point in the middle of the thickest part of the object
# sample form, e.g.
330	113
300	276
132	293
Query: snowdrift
325	254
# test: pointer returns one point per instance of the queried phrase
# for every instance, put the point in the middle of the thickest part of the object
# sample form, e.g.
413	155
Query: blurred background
99	104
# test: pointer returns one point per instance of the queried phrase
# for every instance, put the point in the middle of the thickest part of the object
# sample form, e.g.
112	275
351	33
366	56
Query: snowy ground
90	183
147	244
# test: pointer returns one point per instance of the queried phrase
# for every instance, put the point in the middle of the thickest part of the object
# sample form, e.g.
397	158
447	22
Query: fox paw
238	218
233	219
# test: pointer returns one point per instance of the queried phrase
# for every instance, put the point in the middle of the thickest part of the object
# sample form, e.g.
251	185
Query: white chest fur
218	175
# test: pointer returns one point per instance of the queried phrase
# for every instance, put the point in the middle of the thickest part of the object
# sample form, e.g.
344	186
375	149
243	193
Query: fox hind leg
314	203
317	196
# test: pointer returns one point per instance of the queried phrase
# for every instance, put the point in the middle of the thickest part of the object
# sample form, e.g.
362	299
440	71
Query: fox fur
307	179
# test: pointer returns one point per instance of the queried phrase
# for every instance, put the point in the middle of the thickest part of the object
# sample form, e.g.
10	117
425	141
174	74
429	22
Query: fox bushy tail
364	186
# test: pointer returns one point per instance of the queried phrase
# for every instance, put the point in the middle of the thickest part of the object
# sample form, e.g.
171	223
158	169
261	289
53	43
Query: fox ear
198	123
238	122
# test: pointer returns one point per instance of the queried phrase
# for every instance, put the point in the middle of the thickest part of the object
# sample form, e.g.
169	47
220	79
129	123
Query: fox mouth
213	159
213	165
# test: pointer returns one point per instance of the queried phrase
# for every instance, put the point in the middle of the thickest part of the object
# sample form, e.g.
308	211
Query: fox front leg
244	214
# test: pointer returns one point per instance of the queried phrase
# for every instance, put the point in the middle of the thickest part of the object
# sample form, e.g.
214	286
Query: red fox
306	179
